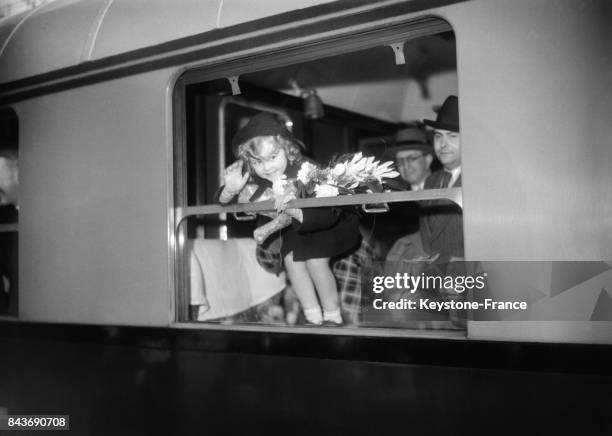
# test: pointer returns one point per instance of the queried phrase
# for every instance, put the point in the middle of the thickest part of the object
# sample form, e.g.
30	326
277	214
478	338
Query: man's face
447	145
413	165
8	182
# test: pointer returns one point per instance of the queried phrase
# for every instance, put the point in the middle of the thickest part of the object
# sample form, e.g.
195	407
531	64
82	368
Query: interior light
313	106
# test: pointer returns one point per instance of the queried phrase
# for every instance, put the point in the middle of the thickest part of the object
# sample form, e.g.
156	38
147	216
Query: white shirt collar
455	173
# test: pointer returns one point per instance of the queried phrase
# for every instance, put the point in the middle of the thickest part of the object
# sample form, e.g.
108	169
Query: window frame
321	45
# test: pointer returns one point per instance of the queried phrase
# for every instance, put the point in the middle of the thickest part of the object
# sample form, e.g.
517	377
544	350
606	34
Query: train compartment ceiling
369	82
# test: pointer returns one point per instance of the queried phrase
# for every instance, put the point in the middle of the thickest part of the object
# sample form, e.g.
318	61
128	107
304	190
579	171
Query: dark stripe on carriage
170	60
498	355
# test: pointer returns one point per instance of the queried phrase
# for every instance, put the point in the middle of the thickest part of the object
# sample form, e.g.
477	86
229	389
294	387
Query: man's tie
446	179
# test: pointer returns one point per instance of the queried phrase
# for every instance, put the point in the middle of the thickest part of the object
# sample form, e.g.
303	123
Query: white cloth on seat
226	279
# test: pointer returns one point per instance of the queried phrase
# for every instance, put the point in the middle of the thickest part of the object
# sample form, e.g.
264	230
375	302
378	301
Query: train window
8	212
342	105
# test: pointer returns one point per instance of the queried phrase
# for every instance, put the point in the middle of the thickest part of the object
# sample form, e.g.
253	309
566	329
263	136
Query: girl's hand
233	178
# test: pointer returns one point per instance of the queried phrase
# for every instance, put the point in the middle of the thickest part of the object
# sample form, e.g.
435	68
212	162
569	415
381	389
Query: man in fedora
440	230
413	156
441	223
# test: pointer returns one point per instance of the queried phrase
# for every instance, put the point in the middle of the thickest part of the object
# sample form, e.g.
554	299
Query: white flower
326	191
356	157
384	171
369	164
305	171
339	169
279	186
355	167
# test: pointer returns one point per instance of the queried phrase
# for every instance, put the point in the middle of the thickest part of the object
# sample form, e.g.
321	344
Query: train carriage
122	114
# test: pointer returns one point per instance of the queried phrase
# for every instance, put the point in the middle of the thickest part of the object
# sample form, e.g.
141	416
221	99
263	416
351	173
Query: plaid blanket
348	271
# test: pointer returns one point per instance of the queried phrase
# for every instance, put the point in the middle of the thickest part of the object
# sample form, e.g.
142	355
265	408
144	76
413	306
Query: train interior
344	102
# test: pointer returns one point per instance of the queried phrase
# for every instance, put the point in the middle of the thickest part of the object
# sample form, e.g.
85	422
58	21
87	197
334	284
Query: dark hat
262	124
448	115
410	138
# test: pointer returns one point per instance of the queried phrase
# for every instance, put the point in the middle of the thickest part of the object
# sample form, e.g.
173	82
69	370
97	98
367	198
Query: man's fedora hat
409	138
448	115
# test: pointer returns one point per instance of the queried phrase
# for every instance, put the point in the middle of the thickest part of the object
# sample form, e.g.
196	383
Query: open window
343	97
9	230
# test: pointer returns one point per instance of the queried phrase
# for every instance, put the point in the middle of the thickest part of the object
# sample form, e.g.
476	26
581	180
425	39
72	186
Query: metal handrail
452	194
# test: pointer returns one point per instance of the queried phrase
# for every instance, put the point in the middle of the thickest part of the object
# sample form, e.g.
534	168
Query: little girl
269	151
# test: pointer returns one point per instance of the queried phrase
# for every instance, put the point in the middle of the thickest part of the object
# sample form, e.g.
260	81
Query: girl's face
270	160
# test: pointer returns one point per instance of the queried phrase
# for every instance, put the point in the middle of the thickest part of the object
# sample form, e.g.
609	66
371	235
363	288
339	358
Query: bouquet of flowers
348	174
345	175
